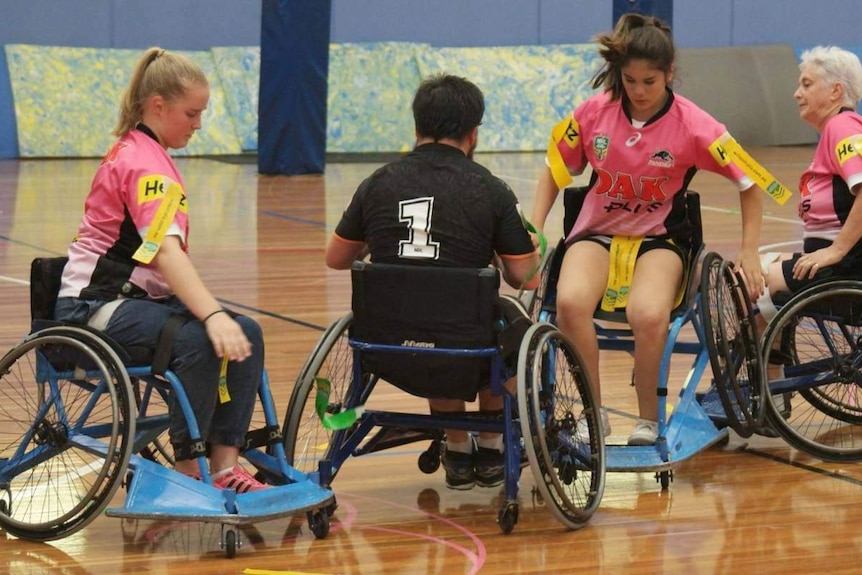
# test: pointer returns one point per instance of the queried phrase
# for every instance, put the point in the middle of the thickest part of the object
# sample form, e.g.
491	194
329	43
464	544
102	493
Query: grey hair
837	65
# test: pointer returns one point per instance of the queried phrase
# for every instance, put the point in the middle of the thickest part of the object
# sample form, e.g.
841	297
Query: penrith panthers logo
662	159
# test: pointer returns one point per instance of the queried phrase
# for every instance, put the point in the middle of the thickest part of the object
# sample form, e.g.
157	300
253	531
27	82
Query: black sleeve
351	227
512	238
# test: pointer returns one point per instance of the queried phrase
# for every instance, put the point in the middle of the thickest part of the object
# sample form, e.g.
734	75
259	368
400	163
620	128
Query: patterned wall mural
66	99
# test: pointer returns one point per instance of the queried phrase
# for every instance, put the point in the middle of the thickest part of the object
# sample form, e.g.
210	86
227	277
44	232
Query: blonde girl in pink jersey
114	283
644	144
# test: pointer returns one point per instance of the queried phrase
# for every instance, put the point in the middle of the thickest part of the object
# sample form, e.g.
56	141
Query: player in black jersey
435	206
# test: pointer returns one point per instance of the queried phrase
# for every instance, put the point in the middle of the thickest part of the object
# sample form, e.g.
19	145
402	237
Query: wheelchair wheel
816	404
534	300
553	398
66	432
732	343
306	440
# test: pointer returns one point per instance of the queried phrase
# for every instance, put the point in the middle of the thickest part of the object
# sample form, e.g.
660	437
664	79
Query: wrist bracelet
204	320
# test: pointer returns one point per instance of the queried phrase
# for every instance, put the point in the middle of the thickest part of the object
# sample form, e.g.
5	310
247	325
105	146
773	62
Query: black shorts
655	243
648	244
850	267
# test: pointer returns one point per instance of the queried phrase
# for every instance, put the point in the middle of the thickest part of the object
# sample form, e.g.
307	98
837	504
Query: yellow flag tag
623	255
726	149
159	226
223	395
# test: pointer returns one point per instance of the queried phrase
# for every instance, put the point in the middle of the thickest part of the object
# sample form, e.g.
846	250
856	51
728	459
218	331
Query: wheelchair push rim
553	396
66	432
815	401
733	346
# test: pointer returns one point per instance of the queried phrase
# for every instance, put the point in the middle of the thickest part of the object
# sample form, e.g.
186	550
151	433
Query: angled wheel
534	300
556	412
733	346
66	432
306	440
816	403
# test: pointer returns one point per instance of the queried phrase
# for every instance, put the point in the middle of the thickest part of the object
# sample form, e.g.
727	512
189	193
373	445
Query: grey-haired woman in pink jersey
829	91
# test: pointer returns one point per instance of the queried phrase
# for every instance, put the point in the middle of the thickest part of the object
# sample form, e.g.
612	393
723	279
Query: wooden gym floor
752	506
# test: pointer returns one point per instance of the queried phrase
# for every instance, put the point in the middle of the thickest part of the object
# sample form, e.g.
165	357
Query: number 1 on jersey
417	215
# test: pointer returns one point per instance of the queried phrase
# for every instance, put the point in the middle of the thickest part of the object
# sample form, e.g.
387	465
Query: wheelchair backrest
45	277
423	306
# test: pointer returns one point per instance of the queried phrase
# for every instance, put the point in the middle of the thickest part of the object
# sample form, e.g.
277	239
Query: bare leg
656	282
450	406
583	279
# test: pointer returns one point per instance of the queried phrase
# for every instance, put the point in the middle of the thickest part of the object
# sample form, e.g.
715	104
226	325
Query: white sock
221	473
460	446
495	442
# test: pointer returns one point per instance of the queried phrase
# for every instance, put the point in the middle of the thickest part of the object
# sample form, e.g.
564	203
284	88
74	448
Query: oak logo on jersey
661	159
154	186
846	149
600	146
622	186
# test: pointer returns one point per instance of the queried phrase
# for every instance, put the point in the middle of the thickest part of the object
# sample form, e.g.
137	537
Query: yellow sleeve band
159	226
726	150
565	131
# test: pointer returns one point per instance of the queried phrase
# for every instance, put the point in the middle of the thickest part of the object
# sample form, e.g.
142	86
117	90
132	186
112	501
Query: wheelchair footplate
156	492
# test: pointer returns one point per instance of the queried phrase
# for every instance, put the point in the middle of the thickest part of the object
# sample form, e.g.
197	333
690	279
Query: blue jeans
138	322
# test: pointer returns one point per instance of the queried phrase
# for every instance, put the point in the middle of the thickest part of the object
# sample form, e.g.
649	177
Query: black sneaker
459	469
490	467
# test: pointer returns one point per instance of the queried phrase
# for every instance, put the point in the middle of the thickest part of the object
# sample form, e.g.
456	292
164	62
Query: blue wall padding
294	70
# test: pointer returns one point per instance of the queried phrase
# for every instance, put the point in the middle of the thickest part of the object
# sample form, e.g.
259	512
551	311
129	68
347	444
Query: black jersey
435	206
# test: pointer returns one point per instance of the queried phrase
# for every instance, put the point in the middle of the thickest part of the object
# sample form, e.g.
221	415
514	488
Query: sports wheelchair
814	349
405	320
82	416
717	309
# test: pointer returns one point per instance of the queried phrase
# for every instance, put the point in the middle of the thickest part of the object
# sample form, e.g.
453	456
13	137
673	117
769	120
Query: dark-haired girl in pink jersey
644	144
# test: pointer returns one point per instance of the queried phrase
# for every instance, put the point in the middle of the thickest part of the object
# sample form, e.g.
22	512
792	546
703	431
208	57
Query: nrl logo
600	147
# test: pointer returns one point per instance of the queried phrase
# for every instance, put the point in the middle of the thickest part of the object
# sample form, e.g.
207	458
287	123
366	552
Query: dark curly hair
635	37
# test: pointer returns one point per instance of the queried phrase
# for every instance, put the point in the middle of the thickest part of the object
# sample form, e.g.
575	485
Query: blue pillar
294	71
663	9
8	125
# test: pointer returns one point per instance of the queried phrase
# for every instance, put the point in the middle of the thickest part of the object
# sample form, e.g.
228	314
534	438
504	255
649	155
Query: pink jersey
825	186
126	192
637	171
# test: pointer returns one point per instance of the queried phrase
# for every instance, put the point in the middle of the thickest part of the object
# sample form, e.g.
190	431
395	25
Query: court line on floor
802	466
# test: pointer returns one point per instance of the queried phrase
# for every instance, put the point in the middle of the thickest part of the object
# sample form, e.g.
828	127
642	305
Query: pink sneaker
238	479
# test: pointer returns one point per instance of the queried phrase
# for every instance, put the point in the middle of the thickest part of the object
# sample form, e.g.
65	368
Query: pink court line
477	559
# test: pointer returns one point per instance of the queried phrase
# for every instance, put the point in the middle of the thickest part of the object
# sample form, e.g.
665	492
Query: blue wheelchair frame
380	329
385	420
690	427
70	357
